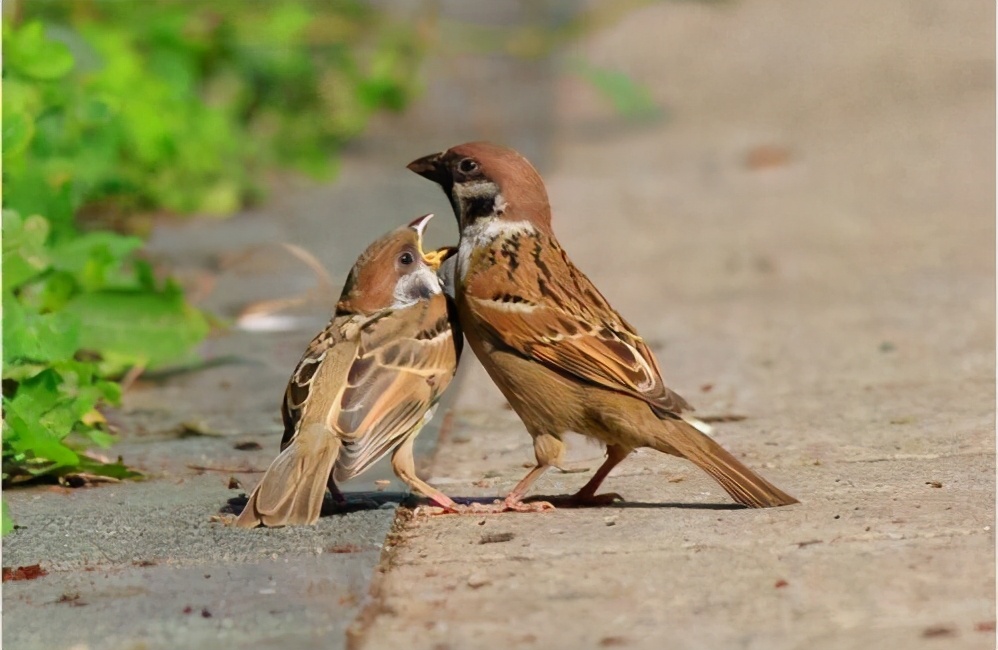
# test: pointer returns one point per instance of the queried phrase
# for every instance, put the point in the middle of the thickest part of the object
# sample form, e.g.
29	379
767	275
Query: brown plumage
367	383
561	355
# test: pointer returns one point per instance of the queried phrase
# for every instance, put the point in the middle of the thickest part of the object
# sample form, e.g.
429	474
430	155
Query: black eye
468	166
406	258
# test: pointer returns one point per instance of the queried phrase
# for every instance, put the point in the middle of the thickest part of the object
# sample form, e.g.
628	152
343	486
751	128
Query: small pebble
476	580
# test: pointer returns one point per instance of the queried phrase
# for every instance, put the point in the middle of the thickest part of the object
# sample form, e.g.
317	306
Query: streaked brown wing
320	372
557	317
403	364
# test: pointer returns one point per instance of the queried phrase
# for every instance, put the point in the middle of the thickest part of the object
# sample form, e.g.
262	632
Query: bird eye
406	258
468	166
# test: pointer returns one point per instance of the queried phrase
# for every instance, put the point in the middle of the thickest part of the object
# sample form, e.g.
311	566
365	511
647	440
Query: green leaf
7	524
92	258
629	98
32	337
29	191
115	470
30	54
24	254
137	328
38	418
18	129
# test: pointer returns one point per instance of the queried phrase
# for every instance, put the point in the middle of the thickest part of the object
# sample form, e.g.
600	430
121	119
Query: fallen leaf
496	538
83	479
781	583
935	484
937	631
249	445
767	156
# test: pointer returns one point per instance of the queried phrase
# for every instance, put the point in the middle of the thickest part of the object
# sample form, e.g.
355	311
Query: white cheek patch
475	189
418	285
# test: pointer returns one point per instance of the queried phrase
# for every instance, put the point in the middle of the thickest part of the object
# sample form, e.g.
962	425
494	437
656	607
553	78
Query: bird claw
515	505
507	505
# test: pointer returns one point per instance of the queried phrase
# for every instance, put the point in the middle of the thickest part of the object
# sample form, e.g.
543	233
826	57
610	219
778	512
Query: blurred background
186	184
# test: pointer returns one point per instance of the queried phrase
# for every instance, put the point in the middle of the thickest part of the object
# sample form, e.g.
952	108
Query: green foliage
181	105
55	371
77	311
115	107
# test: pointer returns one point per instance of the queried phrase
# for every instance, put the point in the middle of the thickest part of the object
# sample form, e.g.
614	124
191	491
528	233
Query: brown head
393	272
488	181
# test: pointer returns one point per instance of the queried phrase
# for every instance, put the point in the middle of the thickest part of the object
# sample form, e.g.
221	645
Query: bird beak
433	259
430	167
419	225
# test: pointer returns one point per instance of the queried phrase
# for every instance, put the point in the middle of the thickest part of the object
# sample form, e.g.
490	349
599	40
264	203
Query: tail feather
745	486
292	489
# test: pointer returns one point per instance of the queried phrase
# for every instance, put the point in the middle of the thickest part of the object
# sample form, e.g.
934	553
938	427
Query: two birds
560	354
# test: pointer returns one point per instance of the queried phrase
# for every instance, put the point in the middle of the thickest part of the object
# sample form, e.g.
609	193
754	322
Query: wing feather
557	317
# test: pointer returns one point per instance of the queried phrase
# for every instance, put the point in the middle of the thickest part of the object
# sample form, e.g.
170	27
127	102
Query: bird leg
338	497
548	449
405	469
514	500
587	495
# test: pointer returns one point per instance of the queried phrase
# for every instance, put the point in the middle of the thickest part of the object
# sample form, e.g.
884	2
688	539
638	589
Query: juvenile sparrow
367	383
560	354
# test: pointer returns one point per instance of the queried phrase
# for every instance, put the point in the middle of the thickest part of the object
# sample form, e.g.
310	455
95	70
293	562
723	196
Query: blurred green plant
183	105
111	108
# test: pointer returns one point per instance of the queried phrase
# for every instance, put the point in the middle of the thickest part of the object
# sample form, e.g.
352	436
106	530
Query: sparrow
367	383
562	356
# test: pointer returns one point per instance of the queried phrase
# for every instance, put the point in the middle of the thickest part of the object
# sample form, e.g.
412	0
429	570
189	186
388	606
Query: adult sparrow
560	354
367	383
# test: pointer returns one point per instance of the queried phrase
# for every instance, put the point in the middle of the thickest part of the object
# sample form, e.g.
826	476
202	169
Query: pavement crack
375	604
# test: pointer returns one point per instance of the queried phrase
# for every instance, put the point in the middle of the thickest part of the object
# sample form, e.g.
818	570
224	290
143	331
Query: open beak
433	259
430	167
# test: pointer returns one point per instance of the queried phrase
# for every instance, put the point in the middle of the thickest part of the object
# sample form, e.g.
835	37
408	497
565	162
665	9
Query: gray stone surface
140	565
